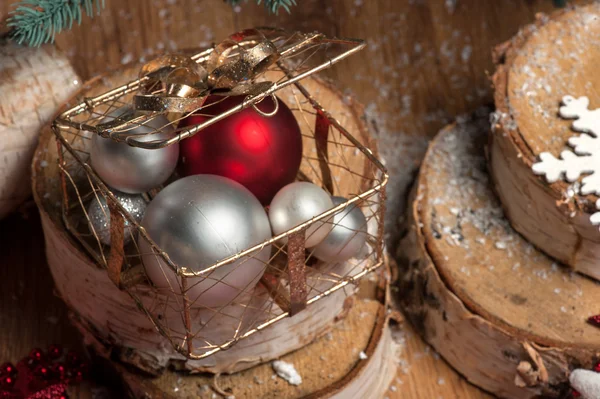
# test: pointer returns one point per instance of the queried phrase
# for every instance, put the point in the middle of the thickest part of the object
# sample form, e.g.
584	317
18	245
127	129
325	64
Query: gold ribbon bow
177	83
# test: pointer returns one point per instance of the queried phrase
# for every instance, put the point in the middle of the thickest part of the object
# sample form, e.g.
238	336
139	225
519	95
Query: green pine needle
36	22
271	6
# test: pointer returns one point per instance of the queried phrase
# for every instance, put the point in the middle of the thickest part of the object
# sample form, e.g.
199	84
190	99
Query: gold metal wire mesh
293	278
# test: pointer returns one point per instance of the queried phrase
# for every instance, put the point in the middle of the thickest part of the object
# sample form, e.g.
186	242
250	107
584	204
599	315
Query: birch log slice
356	359
502	313
550	59
111	320
34	82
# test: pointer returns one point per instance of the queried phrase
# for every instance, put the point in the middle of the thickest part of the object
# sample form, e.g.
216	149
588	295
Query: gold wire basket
332	159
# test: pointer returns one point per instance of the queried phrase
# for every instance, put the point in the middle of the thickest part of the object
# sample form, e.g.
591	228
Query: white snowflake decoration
585	157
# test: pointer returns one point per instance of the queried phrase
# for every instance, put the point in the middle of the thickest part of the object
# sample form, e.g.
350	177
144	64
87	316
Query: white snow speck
127	58
287	371
362	355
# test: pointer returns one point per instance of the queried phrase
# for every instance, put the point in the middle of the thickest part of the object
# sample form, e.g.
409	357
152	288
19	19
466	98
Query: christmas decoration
130	169
200	220
261	153
347	236
99	214
298	203
586	383
31	94
42	375
38	21
272	6
594	320
200	251
585	157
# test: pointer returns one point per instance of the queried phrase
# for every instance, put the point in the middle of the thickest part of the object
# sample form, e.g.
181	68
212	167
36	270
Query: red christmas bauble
261	153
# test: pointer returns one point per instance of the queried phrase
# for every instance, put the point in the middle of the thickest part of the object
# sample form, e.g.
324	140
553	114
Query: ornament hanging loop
267	114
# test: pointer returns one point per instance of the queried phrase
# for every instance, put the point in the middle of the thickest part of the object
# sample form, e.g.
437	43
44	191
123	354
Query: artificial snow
287	371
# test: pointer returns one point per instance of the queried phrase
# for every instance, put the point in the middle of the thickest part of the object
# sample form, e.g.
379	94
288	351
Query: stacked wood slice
341	344
506	309
505	315
546	61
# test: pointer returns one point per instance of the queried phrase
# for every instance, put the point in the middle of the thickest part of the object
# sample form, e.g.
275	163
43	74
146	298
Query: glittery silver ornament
198	221
297	203
347	236
132	169
99	214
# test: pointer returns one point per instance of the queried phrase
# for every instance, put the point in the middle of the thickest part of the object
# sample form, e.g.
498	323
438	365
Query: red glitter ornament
42	371
8	369
73	359
55	391
575	394
41	376
594	320
7	382
59	371
55	351
261	153
35	357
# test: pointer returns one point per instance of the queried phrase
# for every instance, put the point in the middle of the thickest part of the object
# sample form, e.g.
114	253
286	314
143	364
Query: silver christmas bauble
347	236
297	203
99	215
130	169
198	221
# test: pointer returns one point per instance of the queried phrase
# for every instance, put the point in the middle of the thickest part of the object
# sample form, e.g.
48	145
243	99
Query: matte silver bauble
347	236
198	221
99	214
130	169
297	203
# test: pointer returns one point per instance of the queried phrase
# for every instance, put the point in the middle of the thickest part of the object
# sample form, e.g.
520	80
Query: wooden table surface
31	315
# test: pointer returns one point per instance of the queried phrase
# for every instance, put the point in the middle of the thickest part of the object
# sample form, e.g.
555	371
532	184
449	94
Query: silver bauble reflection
131	169
198	221
297	203
347	236
99	214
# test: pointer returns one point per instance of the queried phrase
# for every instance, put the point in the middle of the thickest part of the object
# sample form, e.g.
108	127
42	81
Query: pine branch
36	22
271	6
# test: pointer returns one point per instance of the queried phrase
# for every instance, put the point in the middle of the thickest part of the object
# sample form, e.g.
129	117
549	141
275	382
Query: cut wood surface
533	75
485	298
